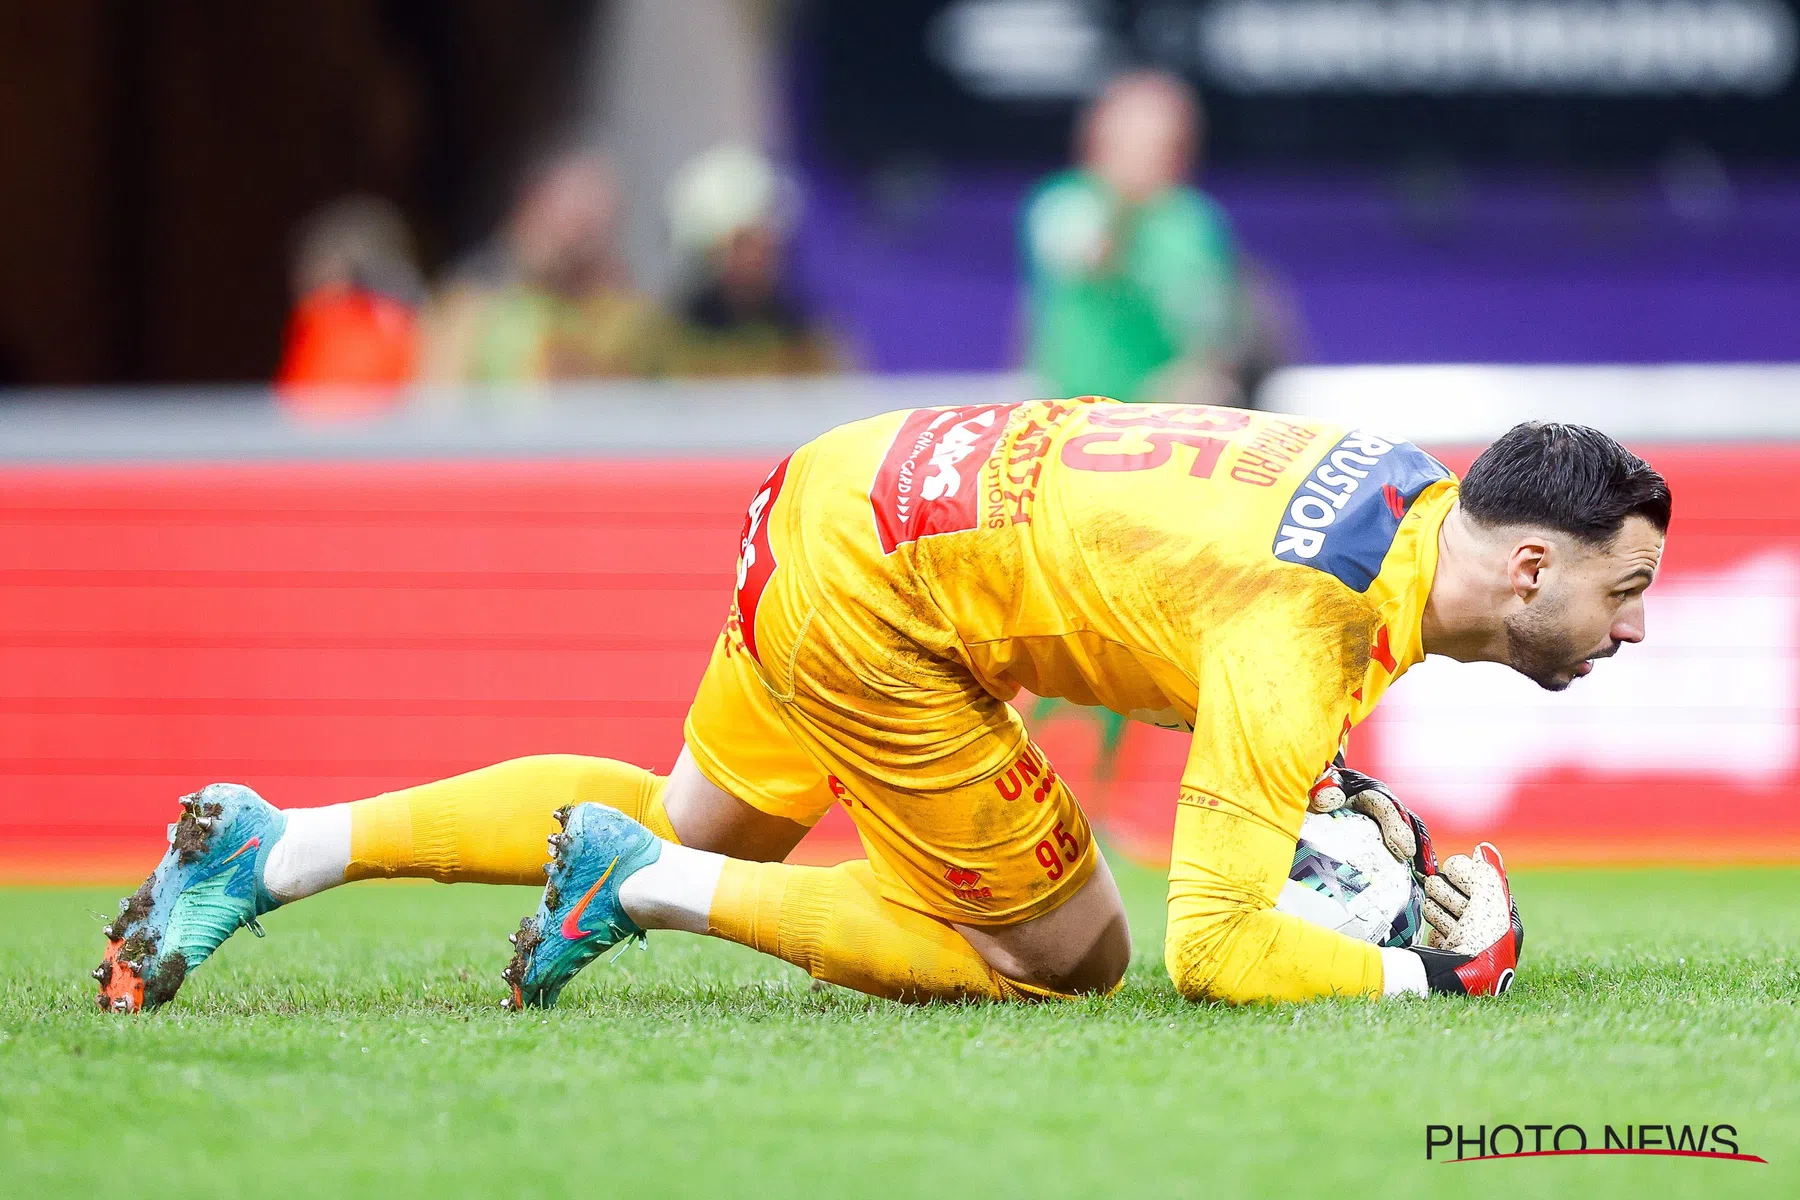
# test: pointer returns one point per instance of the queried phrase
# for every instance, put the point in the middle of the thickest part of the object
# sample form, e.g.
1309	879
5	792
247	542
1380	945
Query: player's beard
1538	648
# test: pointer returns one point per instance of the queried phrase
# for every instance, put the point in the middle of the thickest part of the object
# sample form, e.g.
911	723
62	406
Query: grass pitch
360	1050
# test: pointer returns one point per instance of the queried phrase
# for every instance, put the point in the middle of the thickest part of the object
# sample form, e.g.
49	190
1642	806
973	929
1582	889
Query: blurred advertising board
1576	82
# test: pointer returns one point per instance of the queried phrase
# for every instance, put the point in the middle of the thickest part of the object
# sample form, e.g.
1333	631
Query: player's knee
1101	973
1111	957
1098	967
1085	979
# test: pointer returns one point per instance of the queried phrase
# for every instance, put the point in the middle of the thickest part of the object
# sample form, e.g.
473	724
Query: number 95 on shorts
1004	848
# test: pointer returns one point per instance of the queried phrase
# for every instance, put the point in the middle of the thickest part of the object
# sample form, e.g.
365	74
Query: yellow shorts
833	683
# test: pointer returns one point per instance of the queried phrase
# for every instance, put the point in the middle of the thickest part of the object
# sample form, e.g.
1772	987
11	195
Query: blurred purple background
922	268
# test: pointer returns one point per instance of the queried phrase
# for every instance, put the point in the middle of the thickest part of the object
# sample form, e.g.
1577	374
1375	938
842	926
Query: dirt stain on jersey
1198	595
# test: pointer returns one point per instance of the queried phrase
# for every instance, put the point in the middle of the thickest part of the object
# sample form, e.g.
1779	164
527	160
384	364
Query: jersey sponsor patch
929	481
1344	515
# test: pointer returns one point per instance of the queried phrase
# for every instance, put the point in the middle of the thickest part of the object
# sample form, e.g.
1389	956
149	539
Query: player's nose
1628	626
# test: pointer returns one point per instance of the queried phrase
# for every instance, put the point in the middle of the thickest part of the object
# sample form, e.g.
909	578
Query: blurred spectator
356	292
555	301
1134	282
728	219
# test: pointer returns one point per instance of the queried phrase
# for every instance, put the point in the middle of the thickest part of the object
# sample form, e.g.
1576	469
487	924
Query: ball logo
1504	982
1344	515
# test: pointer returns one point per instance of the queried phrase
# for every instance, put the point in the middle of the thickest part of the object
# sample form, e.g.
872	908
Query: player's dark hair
1568	477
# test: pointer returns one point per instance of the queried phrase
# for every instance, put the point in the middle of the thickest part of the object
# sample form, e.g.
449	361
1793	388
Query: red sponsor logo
756	557
929	482
1030	770
967	884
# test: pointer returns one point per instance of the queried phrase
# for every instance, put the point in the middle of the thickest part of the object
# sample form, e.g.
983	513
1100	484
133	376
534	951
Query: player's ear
1526	565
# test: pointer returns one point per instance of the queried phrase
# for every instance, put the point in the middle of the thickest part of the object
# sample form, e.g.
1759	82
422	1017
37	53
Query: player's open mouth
1587	664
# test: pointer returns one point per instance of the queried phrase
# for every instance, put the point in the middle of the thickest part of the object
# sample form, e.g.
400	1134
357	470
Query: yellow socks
489	826
833	923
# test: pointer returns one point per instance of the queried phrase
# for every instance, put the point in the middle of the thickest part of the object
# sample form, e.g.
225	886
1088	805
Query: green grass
360	1050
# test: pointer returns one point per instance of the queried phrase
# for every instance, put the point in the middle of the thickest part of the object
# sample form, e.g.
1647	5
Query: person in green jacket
1134	284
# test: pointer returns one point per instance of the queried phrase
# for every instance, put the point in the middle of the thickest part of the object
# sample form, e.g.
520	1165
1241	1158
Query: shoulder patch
1344	515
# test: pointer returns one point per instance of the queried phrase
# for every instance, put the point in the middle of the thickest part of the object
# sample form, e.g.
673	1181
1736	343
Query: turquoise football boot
207	887
580	916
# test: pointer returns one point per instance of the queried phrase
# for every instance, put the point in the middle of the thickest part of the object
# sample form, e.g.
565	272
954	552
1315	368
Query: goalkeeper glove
1473	932
1402	831
1473	946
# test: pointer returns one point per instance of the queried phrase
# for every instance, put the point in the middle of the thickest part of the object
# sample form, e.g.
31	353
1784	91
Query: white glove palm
1467	905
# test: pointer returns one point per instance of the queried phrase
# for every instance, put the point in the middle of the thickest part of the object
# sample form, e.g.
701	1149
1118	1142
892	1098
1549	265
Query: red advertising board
325	631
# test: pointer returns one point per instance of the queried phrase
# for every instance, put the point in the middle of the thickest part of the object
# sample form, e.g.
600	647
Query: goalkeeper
1258	579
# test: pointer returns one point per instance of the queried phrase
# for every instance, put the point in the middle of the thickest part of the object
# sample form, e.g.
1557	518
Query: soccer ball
1344	879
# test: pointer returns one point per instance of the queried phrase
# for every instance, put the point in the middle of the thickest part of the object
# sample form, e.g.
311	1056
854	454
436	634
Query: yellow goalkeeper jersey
1258	579
1255	578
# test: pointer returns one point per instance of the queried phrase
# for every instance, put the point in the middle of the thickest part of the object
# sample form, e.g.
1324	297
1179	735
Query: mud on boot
208	885
580	915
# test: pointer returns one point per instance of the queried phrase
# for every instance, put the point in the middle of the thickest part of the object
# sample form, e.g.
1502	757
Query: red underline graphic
1670	1153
